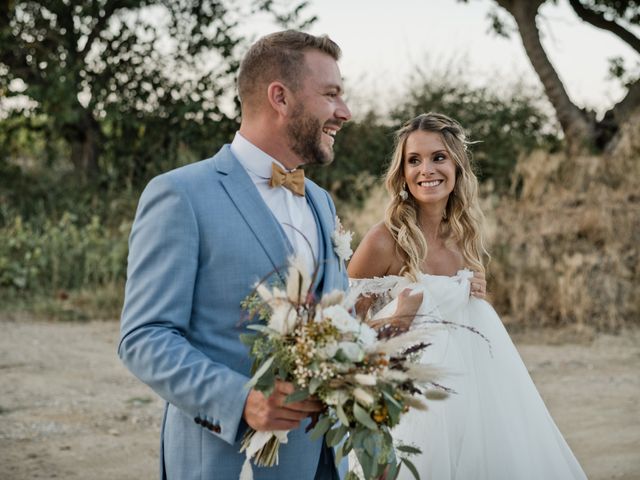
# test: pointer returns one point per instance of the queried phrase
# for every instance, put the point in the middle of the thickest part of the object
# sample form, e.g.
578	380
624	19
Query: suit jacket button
198	420
215	428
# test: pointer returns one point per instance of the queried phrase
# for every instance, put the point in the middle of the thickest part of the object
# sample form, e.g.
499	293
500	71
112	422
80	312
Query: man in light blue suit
204	234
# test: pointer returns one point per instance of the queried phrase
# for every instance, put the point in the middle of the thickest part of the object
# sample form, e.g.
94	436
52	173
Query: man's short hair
279	56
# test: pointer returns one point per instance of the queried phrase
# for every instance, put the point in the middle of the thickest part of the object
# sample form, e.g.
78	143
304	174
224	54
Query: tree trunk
577	129
84	139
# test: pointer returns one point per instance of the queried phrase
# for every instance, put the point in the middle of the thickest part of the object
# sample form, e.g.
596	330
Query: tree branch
573	122
622	110
109	9
598	20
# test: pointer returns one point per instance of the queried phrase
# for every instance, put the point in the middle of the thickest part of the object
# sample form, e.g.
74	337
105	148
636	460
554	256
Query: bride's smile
429	170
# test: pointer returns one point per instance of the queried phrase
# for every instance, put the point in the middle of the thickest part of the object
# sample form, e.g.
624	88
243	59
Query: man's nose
343	112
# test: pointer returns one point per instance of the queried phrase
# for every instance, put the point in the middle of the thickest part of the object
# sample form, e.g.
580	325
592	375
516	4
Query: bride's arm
376	256
371	259
400	321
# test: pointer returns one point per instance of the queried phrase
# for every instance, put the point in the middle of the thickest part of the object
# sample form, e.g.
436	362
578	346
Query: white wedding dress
496	426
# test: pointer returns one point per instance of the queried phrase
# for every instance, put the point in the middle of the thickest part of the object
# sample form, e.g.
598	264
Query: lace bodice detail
442	294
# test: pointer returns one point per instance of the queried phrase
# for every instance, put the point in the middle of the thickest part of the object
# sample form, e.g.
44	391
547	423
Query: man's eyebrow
334	86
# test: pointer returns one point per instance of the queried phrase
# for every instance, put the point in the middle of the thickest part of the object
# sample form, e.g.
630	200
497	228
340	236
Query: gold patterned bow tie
294	181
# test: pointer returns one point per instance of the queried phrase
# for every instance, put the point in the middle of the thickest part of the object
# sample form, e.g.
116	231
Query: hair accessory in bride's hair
403	193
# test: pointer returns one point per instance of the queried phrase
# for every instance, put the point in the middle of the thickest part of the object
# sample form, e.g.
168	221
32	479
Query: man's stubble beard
305	137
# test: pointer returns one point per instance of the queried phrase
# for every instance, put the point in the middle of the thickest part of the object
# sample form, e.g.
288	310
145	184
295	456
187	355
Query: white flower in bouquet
328	351
283	318
345	322
342	241
341	319
362	396
298	281
352	351
335	297
365	379
367	383
337	397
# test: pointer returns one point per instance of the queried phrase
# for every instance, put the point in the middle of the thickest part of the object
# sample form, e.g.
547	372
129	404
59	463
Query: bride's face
429	170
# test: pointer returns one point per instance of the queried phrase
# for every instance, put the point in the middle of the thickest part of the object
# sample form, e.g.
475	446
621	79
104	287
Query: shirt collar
252	158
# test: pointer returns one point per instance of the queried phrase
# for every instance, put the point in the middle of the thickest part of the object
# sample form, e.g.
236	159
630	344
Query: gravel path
70	410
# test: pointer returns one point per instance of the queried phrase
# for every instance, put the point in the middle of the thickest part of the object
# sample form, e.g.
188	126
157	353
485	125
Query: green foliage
99	84
625	10
129	85
503	125
362	151
61	255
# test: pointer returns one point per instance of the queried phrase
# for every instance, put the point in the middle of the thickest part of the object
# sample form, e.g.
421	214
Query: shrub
61	255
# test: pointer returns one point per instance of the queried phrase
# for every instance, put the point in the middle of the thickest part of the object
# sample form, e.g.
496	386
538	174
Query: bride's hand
478	285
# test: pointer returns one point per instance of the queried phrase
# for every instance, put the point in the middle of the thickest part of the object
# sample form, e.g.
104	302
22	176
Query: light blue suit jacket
201	239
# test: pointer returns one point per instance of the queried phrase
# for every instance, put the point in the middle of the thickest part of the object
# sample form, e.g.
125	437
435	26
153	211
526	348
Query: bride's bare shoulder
376	255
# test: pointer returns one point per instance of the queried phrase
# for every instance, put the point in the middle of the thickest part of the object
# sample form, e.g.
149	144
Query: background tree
126	83
502	124
616	16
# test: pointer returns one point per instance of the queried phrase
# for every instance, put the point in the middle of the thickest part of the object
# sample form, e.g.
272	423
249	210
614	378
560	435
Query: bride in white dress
495	426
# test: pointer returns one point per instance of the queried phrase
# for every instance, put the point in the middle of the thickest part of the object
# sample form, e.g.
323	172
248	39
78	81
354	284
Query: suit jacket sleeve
162	270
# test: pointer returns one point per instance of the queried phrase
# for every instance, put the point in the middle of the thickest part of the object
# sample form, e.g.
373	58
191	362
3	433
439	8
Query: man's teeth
331	133
433	183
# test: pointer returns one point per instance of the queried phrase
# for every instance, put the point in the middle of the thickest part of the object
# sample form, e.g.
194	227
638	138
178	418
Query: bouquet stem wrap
262	447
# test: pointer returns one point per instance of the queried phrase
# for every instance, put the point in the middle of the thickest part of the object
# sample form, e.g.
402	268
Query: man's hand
271	413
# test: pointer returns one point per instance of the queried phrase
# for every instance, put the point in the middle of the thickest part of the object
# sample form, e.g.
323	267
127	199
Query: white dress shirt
292	211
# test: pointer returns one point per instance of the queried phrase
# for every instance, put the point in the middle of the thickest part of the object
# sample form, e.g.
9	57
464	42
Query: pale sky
383	40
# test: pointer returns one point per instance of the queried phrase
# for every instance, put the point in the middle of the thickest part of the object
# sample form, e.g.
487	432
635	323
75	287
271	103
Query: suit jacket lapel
326	255
252	208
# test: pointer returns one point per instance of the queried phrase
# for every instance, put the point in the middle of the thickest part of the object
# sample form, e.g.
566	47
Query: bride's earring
403	193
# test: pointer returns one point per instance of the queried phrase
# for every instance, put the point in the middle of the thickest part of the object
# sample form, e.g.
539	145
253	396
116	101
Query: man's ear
279	97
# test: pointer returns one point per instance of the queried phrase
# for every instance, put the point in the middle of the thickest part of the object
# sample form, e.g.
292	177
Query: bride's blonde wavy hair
463	221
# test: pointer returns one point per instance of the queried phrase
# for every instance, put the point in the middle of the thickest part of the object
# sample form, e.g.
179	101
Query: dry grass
565	240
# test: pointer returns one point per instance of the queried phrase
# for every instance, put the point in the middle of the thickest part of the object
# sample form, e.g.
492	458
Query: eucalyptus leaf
342	416
321	427
370	446
436	394
334	436
391	400
409	449
261	371
367	463
394	410
392	473
314	384
261	328
340	453
248	338
412	468
363	417
297	396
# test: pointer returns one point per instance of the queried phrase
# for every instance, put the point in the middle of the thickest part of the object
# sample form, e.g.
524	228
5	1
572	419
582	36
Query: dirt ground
70	410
